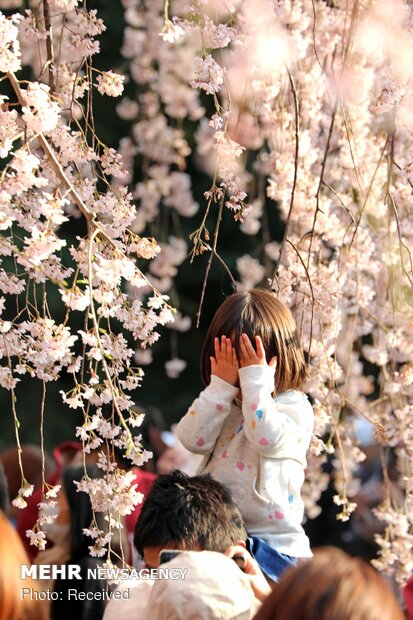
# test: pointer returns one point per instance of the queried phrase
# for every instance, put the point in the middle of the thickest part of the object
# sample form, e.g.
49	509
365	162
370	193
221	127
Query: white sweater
257	447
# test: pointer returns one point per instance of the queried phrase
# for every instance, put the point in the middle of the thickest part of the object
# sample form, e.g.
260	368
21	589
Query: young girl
253	424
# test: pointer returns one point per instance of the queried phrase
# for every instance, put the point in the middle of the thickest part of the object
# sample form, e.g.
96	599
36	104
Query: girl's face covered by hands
225	364
265	329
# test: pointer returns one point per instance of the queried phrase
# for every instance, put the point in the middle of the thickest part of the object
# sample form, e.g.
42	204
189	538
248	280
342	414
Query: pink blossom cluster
310	114
52	174
318	96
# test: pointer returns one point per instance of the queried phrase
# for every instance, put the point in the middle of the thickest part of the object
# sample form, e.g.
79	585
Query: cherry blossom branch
351	33
296	154
312	293
24	483
353	406
65	180
95	233
342	498
55	162
42	408
323	167
360	217
390	198
402	245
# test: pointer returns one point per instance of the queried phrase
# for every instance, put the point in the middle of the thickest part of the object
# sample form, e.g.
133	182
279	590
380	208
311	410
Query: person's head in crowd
68	453
32	463
65	453
213	587
83	598
176	456
152	429
195	513
4	491
17	596
331	586
75	509
75	513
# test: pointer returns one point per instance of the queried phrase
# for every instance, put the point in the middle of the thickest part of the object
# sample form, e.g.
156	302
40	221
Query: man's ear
241	543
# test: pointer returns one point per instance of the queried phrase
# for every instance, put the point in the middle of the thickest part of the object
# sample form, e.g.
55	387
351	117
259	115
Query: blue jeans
272	562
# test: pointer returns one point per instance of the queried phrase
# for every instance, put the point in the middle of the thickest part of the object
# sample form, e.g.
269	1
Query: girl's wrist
222	389
257	375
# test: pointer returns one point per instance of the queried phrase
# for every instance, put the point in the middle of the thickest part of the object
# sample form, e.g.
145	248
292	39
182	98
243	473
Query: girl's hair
331	586
14	606
259	313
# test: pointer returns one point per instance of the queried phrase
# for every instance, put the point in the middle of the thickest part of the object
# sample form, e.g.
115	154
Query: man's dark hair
195	512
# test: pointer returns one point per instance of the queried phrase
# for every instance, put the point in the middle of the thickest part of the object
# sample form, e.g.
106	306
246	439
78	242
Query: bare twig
314	26
363	207
402	245
49	46
227	269
312	293
211	256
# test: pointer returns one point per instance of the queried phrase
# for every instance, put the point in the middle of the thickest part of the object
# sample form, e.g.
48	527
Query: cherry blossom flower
8	128
112	163
127	109
110	83
37	539
175	367
9	43
40	113
208	75
171	31
250	271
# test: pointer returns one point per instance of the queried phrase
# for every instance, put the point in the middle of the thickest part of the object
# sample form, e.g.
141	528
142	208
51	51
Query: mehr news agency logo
73	572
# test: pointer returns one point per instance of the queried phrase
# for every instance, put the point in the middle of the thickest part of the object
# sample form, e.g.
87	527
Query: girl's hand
225	364
252	357
250	567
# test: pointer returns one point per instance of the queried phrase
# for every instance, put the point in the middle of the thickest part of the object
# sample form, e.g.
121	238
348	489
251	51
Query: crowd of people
196	516
224	497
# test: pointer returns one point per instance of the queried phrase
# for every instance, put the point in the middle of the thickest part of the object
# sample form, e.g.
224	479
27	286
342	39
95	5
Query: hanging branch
90	217
296	154
55	162
210	259
312	293
321	179
49	46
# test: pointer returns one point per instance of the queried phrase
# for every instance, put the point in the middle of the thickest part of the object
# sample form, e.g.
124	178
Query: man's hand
225	364
250	567
252	357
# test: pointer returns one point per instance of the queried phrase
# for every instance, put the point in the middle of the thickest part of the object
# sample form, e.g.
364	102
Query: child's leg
272	562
